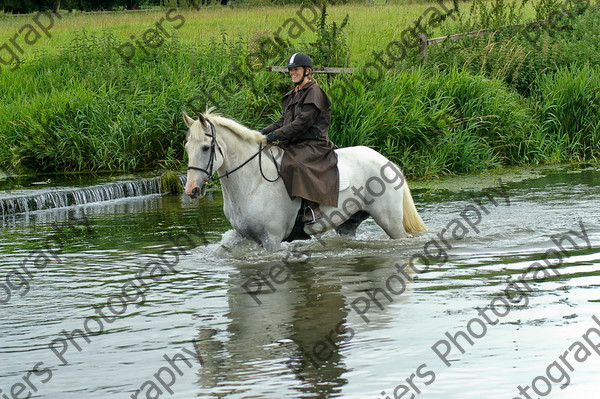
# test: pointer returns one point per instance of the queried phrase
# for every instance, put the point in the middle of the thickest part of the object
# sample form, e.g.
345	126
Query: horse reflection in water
291	341
259	207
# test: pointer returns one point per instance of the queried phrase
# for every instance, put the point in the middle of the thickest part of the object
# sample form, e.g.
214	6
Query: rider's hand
271	138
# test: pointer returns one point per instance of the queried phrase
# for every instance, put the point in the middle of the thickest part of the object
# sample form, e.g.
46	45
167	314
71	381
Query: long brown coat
309	165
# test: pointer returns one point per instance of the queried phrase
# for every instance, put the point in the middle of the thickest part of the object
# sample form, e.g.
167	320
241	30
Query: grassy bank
84	108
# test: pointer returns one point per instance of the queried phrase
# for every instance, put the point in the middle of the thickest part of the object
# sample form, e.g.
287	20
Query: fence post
423	53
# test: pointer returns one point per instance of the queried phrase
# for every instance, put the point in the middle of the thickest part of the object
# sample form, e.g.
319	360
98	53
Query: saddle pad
344	175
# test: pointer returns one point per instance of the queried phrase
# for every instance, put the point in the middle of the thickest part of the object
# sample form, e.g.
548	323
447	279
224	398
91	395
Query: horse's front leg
271	244
277	228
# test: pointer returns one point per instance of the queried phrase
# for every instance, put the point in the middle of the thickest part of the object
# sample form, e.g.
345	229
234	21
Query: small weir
24	201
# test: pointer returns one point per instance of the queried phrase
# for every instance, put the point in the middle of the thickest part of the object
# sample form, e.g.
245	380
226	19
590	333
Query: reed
85	108
568	104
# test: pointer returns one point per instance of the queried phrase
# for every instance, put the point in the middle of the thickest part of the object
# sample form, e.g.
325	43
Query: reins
213	144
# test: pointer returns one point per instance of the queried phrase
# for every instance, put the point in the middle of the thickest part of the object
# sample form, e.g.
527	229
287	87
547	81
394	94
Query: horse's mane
238	129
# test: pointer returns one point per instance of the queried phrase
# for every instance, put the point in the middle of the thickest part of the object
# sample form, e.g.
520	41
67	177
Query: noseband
213	144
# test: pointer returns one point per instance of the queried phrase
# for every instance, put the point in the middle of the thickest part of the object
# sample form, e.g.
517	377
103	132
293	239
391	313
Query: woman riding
309	164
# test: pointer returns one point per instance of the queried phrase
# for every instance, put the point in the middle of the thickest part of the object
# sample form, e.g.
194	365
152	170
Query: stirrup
313	216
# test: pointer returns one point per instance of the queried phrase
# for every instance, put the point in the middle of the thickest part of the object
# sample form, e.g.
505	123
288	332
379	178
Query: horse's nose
195	192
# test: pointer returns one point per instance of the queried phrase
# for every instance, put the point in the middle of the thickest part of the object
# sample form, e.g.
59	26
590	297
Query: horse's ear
202	119
188	121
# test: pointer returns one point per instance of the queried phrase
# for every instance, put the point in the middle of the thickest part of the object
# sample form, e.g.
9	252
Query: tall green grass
568	104
435	123
86	109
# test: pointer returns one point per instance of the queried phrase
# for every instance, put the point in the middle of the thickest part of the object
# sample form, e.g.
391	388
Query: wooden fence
424	42
325	70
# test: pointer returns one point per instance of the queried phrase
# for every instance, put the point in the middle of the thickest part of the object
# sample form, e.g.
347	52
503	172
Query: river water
519	320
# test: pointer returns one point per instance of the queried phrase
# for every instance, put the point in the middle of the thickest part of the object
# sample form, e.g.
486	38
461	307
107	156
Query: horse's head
204	154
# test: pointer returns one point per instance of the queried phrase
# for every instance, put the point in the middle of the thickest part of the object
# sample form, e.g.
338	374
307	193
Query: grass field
370	27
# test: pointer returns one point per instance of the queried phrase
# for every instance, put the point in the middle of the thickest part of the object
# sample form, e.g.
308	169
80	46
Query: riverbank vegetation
479	103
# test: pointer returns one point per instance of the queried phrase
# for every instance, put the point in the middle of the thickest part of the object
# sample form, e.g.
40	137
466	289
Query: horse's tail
411	219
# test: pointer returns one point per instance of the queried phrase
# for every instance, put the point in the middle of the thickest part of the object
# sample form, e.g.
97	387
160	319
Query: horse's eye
205	148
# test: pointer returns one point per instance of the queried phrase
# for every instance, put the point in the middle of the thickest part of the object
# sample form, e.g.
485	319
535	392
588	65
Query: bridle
213	155
213	144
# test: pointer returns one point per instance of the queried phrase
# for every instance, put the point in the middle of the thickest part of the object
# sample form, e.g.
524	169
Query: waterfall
36	200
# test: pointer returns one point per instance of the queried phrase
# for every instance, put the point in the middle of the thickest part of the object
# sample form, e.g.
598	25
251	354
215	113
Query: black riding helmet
300	60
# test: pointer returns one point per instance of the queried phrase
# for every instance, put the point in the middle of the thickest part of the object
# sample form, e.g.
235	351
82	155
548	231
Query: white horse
261	209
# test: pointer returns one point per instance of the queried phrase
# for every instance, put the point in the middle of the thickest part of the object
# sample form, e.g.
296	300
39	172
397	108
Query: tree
26	6
132	4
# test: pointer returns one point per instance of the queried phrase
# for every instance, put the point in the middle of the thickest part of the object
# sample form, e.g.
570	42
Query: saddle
298	229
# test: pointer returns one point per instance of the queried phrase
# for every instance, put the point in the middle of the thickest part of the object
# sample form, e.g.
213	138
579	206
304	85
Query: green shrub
519	55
